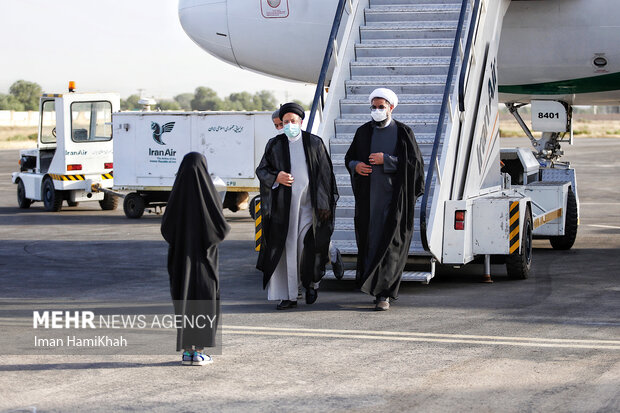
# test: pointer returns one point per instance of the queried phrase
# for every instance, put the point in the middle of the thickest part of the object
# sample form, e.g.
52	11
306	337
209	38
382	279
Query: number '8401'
548	115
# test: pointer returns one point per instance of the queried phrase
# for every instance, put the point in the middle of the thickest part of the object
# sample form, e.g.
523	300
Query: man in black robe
194	225
298	201
387	175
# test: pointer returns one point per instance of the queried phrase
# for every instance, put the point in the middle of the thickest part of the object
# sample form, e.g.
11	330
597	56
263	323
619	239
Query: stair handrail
440	123
475	16
320	86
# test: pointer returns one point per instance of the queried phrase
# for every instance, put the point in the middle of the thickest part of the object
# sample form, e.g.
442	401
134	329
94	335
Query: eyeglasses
380	107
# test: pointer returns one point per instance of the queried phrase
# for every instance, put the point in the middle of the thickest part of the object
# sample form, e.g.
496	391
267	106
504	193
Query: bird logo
158	131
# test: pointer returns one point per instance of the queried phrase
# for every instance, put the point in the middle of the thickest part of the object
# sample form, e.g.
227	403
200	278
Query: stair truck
440	58
74	152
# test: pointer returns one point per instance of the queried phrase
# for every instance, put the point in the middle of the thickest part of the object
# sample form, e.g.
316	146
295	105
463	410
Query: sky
117	46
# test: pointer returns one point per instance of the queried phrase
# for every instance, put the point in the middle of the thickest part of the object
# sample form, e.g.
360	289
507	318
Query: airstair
416	48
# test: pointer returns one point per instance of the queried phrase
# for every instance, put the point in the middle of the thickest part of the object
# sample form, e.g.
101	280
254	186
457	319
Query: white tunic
284	282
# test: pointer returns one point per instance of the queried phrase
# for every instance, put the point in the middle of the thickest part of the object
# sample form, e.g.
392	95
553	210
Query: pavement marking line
428	337
412	334
422	339
604	226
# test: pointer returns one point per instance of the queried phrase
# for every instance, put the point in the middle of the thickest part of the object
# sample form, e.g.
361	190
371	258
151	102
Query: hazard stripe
67	177
107	176
514	227
258	226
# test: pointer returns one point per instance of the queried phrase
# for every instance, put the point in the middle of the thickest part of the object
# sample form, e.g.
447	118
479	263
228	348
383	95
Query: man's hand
363	169
324	215
285	179
376	158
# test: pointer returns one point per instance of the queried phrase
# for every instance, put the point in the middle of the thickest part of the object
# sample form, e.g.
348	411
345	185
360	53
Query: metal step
428	85
409	104
404	48
413	12
419	123
420	276
374	3
408	30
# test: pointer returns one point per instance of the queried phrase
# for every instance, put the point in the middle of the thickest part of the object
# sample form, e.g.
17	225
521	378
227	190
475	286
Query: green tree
168	105
131	103
27	93
302	104
184	100
206	99
265	100
10	102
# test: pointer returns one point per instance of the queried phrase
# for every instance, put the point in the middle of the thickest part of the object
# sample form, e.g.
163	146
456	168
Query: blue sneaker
200	359
187	359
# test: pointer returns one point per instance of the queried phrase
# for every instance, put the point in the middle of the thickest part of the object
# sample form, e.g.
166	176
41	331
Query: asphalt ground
548	343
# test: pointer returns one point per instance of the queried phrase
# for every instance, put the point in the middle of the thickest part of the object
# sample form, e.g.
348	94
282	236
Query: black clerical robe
382	275
193	225
275	205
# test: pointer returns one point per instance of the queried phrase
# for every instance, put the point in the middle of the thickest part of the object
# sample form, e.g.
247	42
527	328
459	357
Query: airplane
553	54
565	50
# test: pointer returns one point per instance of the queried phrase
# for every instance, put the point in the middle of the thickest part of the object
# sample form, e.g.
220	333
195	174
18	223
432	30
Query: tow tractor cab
74	152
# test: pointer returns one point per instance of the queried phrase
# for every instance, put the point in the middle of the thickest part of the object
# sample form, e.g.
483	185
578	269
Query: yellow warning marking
259	219
514	247
548	217
514	218
513	233
258	234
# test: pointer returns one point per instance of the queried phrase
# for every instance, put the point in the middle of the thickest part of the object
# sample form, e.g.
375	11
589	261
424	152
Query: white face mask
378	115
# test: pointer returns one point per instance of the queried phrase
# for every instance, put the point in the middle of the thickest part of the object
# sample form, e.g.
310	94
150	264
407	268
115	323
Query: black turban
292	108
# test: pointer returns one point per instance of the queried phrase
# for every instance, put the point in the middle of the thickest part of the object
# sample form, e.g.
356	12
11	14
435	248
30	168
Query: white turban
384	93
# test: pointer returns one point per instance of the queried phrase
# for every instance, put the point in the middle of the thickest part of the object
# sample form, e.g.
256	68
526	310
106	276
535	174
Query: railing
320	86
465	64
440	123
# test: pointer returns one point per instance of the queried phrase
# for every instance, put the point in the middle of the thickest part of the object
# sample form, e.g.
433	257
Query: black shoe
311	295
338	267
286	305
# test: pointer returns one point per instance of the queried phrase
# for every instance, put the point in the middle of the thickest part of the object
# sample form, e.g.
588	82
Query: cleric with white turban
387	174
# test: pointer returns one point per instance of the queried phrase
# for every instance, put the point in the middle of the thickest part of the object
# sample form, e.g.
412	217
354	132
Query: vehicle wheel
22	201
109	202
252	207
566	241
73	203
133	205
519	263
52	199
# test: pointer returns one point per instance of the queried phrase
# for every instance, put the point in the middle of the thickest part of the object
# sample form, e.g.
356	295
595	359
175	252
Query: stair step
399	66
400	85
349	247
374	3
409	104
407	275
408	30
404	48
413	12
422	123
347	138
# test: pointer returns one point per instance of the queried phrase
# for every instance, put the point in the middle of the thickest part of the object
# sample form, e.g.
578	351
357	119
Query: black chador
276	205
384	204
194	225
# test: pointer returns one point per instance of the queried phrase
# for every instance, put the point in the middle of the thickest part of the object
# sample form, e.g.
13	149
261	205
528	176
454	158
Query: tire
22	201
253	206
73	203
133	205
566	241
109	202
52	199
519	263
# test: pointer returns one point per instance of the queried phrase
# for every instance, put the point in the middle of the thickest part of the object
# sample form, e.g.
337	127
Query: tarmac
548	343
